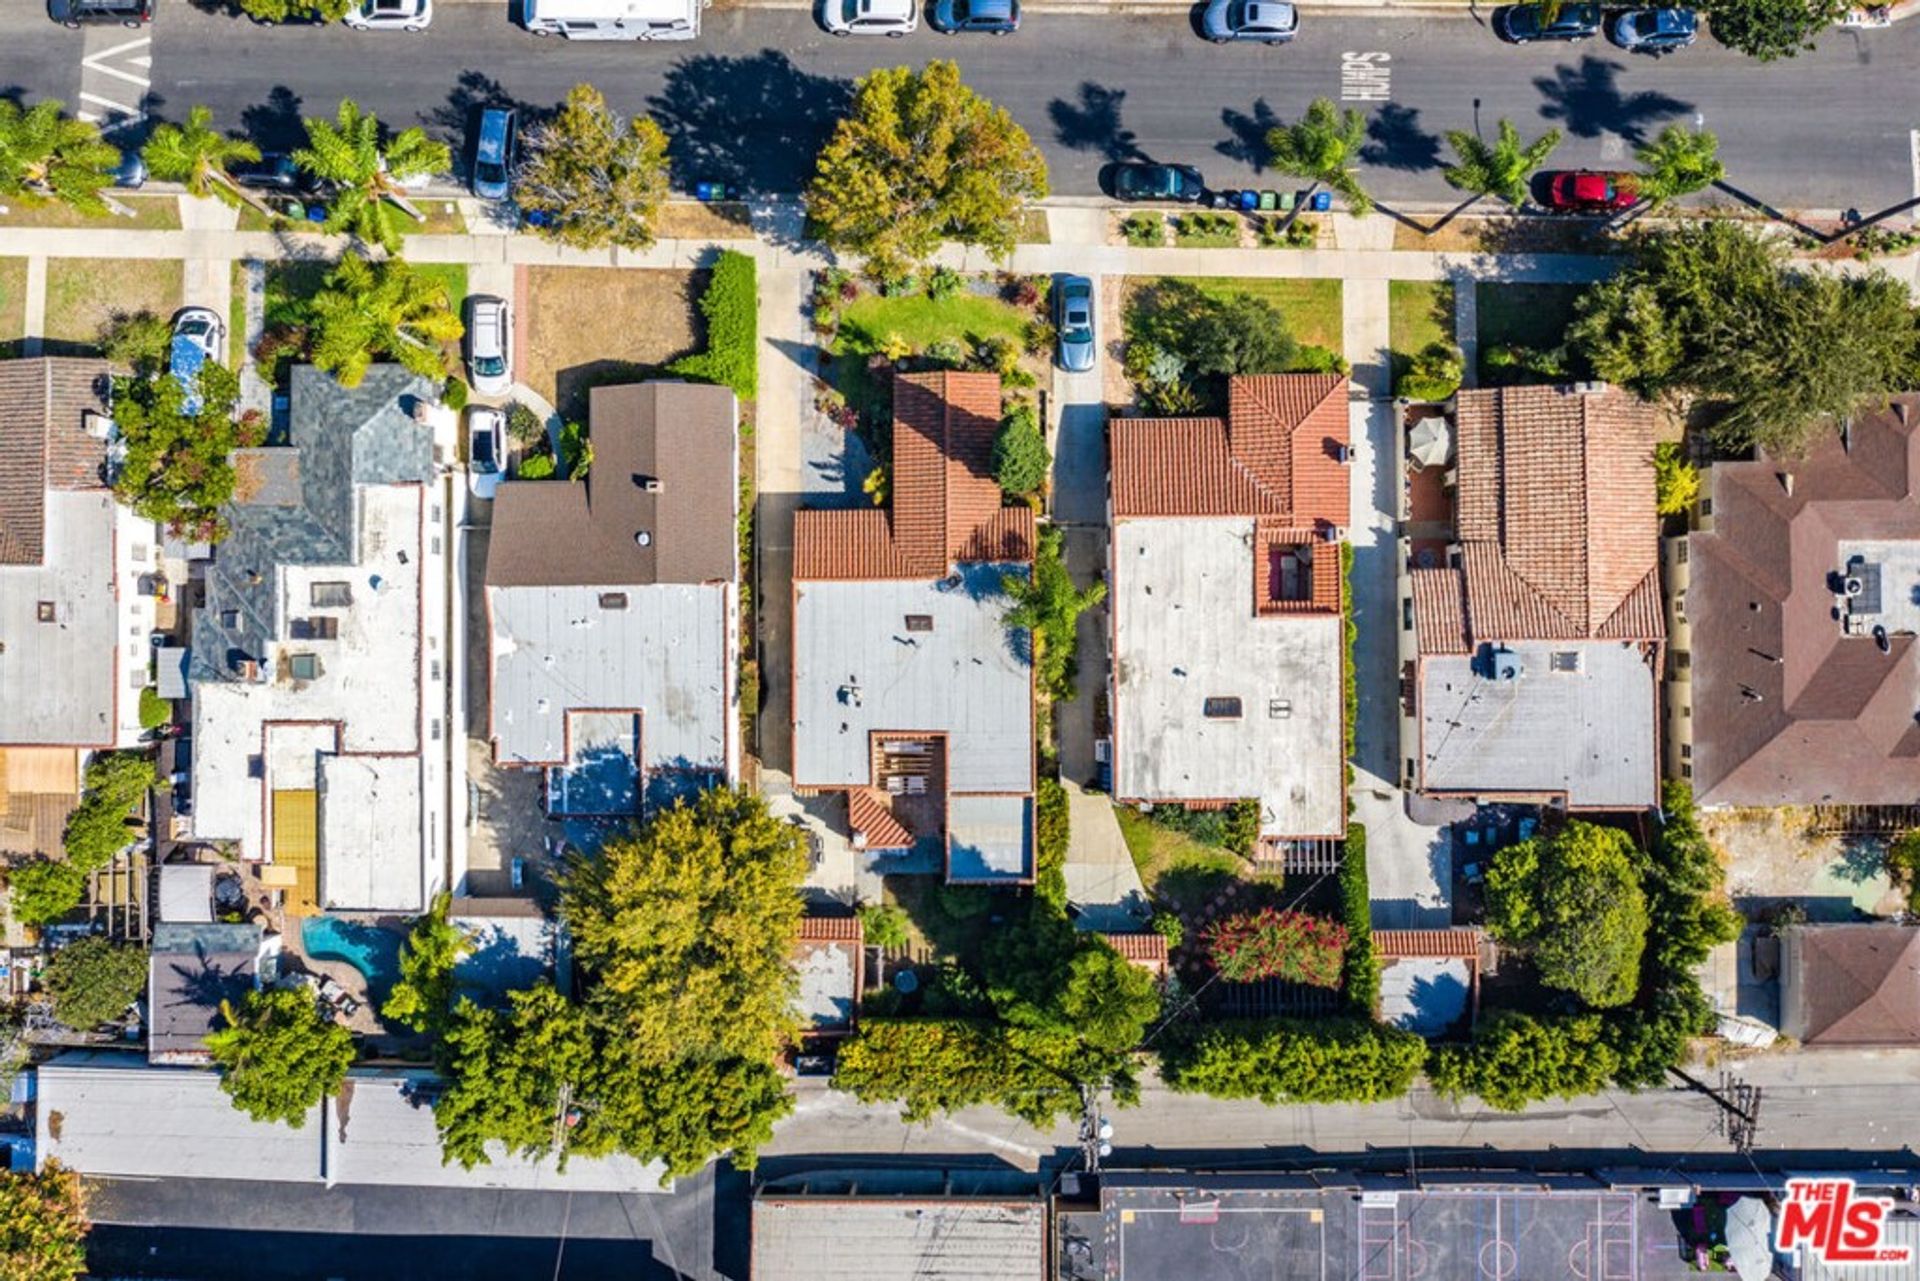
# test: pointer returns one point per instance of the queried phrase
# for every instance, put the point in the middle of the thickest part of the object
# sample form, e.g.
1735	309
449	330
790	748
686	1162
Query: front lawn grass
1419	312
1312	307
1514	315
13	304
84	293
443	219
1169	861
870	320
148	213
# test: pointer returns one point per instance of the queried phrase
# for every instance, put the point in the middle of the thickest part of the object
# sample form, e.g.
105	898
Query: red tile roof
831	929
1275	454
1274	538
869	814
44	445
1399	945
946	505
1142	949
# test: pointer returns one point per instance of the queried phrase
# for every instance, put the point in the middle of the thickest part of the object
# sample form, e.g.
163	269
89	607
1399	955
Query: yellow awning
296	845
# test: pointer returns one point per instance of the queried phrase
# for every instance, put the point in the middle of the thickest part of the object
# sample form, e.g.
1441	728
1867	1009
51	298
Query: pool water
372	950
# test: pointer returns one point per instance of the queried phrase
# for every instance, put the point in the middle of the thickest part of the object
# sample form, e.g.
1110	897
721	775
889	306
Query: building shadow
1092	123
753	123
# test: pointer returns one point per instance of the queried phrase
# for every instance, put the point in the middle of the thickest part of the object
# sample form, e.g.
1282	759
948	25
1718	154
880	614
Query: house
191	970
77	576
320	658
1800	672
830	958
1855	986
1538	643
613	608
911	695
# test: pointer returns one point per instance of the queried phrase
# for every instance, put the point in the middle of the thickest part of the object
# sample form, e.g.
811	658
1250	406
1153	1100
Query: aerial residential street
748	102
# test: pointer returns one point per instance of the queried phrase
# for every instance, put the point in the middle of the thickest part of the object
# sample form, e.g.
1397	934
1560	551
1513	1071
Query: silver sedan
1264	21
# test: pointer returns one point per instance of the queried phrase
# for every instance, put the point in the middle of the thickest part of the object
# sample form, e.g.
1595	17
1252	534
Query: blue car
984	17
1526	23
1653	30
198	337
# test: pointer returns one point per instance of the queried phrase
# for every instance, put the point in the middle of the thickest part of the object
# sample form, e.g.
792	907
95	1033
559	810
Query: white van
615	19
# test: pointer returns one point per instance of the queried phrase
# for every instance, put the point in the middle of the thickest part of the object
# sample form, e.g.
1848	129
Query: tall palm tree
1678	163
47	156
381	310
1500	168
347	153
197	154
1323	146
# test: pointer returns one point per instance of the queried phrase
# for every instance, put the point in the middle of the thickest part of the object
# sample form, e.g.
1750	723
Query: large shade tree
48	156
919	159
178	468
1323	146
1771	29
595	177
369	172
278	1055
1574	900
385	310
43	1225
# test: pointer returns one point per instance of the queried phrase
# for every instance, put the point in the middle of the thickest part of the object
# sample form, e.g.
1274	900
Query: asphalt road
749	101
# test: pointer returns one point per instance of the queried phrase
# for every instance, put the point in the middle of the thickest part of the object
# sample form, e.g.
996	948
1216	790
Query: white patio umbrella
1750	1238
1431	442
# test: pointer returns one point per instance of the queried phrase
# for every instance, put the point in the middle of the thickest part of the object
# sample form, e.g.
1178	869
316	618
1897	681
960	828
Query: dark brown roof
553	533
1277	453
945	506
1851	985
1555	518
1787	709
44	444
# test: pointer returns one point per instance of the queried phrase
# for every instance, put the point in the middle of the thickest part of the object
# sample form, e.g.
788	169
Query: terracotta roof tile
869	814
1439	611
831	929
1274	539
1395	945
44	444
1142	949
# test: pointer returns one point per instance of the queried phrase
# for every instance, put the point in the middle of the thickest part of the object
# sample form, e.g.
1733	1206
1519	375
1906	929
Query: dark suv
1526	23
88	13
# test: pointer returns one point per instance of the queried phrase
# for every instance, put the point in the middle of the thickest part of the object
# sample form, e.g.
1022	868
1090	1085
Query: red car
1586	191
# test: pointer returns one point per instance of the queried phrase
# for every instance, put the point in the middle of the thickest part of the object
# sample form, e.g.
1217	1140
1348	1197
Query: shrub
731	306
1326	1060
1021	462
44	891
1515	1059
455	395
942	1065
1676	482
946	353
1170	927
1051	831
525	426
1242	827
138	340
1144	230
1434	373
97	827
1575	900
1360	974
885	927
944	283
537	467
93	980
1274	944
155	711
1903	866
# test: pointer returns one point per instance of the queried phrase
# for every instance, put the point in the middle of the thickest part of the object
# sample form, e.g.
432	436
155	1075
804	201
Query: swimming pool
371	949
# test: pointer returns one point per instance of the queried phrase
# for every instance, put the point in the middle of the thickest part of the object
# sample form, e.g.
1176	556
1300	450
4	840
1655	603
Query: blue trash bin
315	213
1249	201
1322	201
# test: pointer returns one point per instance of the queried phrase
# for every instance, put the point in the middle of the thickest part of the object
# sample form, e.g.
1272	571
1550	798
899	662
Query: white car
391	15
486	449
199	338
489	344
869	17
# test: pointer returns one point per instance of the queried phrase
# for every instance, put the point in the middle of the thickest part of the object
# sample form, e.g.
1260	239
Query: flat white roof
858	668
1185	632
370	825
56	679
804	1238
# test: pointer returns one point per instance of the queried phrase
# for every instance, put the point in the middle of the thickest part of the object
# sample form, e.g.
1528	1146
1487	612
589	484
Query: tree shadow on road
1248	143
1586	101
1395	140
754	123
1093	124
275	125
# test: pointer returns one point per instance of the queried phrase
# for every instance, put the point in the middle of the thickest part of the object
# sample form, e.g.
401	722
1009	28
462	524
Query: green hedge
1325	1060
1361	975
155	711
1515	1059
731	306
1051	832
1350	685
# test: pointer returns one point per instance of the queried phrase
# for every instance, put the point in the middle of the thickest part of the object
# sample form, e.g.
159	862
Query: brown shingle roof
945	506
1277	453
1851	985
552	533
44	444
1556	521
1787	709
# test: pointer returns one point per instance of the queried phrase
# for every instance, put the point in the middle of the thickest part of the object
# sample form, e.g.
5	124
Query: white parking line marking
141	62
138	43
118	74
88	116
108	103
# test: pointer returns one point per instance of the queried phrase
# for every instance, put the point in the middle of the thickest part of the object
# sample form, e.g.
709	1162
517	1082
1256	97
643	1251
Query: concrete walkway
1103	885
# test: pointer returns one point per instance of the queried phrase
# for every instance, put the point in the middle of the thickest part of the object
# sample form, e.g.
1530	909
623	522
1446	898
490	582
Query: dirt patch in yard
692	220
586	327
84	293
1773	858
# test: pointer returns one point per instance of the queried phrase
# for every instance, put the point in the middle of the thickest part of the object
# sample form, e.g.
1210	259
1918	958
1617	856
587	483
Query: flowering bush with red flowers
1272	944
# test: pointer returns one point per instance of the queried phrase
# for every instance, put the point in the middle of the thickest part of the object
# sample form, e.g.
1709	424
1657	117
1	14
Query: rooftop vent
96	425
651	484
1506	665
643	538
919	622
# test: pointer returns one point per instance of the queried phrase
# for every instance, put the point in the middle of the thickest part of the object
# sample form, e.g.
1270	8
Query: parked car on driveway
1589	191
1265	21
391	15
199	336
92	13
1073	322
869	17
493	153
1524	23
985	17
1139	181
489	344
486	449
1653	30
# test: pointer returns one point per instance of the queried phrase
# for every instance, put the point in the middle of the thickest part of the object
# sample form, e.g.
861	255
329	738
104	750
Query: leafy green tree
1515	1059
943	1065
1108	1000
47	156
1679	162
1574	899
369	179
137	340
197	154
1021	462
278	1055
115	783
1047	604
731	305
513	1079
296	10
1770	29
422	997
43	1225
920	159
884	926
1325	1060
1182	331
1323	146
1676	482
178	468
43	891
1434	373
598	177
1627	335
369	311
1501	167
93	980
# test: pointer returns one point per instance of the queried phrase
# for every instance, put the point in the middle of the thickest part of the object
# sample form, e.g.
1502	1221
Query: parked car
1266	21
987	17
199	336
1589	191
869	17
1524	24
131	174
273	171
1653	30
493	153
90	13
1073	322
391	15
1140	181
486	449
489	344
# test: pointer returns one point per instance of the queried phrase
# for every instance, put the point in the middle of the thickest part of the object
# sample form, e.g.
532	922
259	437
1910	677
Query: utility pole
1096	1132
1739	1104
